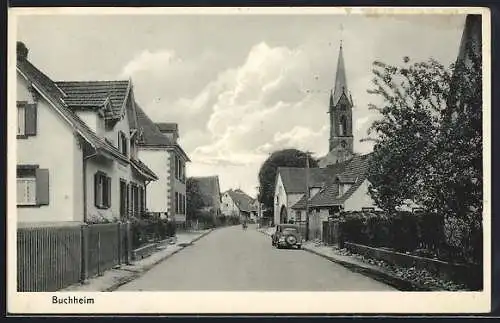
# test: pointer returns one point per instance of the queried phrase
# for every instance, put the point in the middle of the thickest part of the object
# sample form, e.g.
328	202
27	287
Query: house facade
236	203
76	149
158	146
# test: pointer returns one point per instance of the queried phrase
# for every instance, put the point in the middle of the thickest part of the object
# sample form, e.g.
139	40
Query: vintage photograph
247	151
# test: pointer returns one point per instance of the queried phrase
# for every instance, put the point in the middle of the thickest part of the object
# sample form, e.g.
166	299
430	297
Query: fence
331	232
105	247
49	258
52	258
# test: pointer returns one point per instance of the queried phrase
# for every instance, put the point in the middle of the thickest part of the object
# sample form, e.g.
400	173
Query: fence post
85	253
99	273
128	233
119	228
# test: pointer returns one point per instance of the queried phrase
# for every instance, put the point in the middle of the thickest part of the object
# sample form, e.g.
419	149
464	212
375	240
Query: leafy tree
268	170
429	142
194	199
414	97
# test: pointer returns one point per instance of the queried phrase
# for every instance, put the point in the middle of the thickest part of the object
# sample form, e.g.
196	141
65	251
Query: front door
123	199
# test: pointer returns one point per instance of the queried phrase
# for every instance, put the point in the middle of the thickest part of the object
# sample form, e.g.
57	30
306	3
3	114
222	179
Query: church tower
340	110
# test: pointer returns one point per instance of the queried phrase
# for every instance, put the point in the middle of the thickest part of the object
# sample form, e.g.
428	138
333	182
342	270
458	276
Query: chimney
22	51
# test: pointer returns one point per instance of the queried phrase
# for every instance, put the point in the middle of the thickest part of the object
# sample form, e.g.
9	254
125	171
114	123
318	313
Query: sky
239	86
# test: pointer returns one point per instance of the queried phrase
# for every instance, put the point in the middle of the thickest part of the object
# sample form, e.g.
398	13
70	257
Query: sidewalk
355	265
114	278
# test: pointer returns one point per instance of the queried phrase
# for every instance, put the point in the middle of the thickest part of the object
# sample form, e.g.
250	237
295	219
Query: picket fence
52	258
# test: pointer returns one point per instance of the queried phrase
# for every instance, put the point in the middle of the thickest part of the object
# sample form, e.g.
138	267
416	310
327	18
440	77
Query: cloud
147	61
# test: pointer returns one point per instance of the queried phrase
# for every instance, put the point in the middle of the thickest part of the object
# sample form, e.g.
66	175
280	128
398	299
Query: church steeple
340	79
340	110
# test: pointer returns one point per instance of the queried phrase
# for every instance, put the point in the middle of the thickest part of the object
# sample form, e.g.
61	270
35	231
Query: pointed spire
340	78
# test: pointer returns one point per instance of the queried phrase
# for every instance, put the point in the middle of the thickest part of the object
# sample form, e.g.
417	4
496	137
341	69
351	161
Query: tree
429	143
413	98
194	199
268	170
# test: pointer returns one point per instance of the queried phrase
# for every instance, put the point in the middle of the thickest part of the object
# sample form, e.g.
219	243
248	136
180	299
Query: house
339	187
209	189
159	147
236	203
77	153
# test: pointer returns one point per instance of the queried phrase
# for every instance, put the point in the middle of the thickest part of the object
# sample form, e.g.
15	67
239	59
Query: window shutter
30	119
96	189
108	190
42	186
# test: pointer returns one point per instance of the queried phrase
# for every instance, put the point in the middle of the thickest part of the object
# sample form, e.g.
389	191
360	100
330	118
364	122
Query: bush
419	233
149	229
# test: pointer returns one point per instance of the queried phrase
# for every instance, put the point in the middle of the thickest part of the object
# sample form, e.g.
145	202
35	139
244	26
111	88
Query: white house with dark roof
77	155
236	203
159	147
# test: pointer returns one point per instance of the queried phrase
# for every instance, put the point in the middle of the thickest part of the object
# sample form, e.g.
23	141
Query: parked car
287	236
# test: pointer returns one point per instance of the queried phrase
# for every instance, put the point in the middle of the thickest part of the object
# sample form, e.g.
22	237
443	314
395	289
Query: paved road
230	259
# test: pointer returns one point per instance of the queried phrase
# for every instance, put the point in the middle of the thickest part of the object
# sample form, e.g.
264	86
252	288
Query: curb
379	275
141	272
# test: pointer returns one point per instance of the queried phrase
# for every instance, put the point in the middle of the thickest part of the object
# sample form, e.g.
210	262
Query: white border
250	302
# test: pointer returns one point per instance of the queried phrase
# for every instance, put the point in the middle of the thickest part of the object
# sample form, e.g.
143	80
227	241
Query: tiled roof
95	93
352	172
150	134
209	189
243	201
143	168
48	88
167	126
294	180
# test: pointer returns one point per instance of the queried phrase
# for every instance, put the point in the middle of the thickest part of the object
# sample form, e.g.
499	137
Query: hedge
420	233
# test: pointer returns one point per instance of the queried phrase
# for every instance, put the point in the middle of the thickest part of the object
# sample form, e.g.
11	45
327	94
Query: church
339	183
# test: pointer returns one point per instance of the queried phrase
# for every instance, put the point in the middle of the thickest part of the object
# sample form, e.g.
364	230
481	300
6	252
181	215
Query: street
231	259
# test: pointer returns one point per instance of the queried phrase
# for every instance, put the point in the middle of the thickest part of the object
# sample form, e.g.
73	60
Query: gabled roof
143	169
209	189
47	88
150	135
352	172
95	93
294	178
243	201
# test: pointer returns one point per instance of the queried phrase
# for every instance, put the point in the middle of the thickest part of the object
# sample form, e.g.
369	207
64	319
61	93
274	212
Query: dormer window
123	143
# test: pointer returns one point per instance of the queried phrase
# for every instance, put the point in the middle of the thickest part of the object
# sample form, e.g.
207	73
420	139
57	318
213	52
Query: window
341	190
102	190
32	185
176	202
176	166
26	119
343	126
135	197
142	199
20	120
123	143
